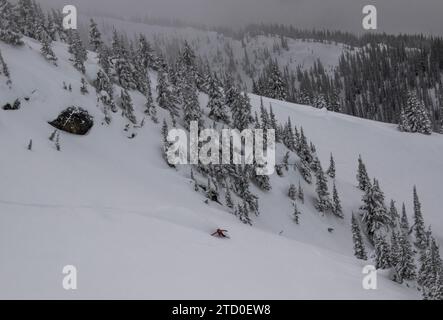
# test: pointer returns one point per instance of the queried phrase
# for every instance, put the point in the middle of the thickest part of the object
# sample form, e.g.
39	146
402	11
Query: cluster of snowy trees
388	83
410	252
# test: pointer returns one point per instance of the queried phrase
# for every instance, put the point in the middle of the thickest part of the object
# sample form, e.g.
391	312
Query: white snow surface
135	228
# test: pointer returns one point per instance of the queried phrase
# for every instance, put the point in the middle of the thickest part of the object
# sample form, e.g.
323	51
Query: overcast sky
394	16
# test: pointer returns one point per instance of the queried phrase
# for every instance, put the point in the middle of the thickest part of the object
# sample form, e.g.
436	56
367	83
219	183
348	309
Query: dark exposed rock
74	120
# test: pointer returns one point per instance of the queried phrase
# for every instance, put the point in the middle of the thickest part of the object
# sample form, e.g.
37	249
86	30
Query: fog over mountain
394	16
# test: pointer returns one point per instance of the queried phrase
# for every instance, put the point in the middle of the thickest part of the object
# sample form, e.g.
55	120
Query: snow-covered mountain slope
135	228
221	50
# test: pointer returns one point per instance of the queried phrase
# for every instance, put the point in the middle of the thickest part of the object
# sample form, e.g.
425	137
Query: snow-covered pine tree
124	71
331	170
104	59
396	255
337	209
276	85
164	132
241	110
320	102
228	198
105	91
300	193
374	212
395	217
285	161
218	111
288	136
359	248
78	51
262	181
84	87
382	253
362	175
419	225
153	113
164	98
126	106
414	117
191	105
5	70
145	53
95	37
243	213
46	49
315	164
323	202
296	213
305	171
304	151
9	30
292	192
406	266
25	18
404	223
430	273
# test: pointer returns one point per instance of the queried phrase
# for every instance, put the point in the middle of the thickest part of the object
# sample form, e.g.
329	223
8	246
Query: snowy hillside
220	50
135	228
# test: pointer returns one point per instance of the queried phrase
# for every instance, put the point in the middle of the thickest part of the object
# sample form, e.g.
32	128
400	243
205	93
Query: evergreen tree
396	256
216	104
305	171
292	192
414	117
304	151
393	214
78	51
95	40
337	209
145	53
126	106
241	110
286	161
104	90
406	266
300	194
191	106
430	273
374	212
404	223
323	202
26	18
164	98
228	198
277	87
9	30
362	175
331	170
419	225
84	87
359	248
296	213
153	113
46	49
5	70
243	213
382	253
320	102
